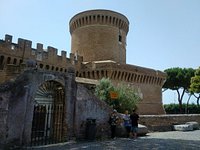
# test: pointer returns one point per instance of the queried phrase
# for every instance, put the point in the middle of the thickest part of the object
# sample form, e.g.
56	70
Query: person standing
127	123
113	121
134	122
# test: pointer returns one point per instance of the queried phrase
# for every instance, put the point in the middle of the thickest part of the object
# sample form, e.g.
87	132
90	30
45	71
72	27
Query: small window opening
120	38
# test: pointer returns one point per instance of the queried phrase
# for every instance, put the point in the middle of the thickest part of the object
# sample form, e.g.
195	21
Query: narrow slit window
120	38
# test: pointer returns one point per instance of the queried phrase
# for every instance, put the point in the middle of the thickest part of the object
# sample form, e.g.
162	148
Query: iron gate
47	125
48	116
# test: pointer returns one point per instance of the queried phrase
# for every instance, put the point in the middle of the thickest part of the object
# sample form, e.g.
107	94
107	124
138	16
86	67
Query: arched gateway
48	116
41	107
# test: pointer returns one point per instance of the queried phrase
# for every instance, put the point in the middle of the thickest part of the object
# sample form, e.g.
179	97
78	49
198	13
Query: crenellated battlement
103	17
24	44
15	54
120	72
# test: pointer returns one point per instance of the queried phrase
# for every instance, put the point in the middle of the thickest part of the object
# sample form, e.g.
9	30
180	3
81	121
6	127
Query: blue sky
162	34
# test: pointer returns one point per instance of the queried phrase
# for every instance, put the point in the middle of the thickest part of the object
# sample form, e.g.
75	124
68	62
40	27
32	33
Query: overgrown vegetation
127	97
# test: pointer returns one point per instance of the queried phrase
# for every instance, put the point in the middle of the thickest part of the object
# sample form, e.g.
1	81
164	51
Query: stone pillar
70	102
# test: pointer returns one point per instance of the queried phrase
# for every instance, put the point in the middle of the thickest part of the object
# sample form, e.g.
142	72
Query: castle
100	37
98	49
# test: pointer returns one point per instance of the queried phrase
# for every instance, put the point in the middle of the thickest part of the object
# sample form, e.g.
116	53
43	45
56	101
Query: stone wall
17	104
14	97
89	106
166	122
3	116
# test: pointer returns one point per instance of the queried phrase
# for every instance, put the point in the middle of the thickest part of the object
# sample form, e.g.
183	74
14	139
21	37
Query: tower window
120	38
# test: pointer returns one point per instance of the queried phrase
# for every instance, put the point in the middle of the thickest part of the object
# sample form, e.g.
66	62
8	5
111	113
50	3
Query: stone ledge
166	122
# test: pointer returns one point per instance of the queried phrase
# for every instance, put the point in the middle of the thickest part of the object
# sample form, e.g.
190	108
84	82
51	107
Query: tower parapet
99	35
103	17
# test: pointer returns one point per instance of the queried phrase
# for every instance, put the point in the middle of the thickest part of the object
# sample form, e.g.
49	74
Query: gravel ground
174	140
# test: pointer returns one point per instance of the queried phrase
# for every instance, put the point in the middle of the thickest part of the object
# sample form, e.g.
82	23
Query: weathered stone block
183	127
142	130
194	124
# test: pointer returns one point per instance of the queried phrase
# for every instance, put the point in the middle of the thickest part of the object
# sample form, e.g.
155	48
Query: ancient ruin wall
99	35
90	107
17	100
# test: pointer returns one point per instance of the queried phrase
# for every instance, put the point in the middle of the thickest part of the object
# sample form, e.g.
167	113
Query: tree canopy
195	85
127	97
103	90
178	79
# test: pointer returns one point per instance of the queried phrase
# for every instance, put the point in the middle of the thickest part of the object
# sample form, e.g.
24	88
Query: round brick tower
99	35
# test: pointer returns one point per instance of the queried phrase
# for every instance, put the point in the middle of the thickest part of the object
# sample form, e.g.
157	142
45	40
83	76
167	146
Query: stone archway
48	116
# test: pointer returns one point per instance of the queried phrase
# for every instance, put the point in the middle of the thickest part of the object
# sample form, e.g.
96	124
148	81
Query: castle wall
15	56
147	81
151	102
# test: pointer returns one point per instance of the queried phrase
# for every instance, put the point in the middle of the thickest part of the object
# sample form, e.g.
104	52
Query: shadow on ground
128	144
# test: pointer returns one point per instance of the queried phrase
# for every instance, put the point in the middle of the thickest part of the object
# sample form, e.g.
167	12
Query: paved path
174	140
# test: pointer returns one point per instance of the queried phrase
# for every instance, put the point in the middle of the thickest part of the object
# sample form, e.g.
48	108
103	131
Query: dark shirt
134	119
113	120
